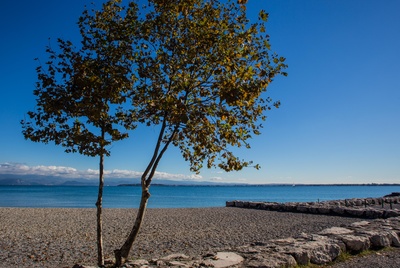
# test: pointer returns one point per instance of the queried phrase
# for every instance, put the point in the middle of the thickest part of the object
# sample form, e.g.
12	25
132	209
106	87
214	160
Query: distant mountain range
10	179
27	180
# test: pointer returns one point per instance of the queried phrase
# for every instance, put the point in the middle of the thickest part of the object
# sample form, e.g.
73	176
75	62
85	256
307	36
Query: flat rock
336	231
178	264
176	257
360	224
226	259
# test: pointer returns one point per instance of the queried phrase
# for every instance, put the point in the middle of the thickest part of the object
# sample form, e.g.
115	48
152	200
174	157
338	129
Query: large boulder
316	249
380	240
271	260
395	240
301	255
322	253
356	244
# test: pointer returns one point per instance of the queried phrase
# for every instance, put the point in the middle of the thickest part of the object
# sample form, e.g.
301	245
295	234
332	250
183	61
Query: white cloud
118	173
69	172
177	177
196	177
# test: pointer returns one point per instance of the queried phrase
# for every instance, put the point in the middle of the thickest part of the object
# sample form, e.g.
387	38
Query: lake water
178	196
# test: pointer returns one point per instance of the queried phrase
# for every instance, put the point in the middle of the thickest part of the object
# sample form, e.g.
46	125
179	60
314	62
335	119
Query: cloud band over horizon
69	172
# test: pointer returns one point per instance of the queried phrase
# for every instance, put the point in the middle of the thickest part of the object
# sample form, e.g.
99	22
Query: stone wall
370	208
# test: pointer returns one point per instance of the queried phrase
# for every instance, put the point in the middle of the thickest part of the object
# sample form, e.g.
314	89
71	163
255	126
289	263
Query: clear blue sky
340	116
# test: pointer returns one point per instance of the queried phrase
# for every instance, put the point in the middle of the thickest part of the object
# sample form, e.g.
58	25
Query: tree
81	93
203	70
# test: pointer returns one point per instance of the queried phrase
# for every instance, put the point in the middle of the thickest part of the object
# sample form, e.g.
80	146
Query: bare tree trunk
122	254
100	256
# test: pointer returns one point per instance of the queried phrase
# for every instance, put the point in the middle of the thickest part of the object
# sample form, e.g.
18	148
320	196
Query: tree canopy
202	70
199	70
81	89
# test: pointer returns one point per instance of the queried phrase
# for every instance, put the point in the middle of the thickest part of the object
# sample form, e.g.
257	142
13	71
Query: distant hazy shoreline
271	184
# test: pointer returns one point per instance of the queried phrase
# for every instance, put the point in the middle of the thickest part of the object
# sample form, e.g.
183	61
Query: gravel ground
380	259
44	237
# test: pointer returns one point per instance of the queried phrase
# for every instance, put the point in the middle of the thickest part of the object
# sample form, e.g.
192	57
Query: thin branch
154	167
156	150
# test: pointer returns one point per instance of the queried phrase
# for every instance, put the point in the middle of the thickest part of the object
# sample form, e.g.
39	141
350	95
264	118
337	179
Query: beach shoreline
62	237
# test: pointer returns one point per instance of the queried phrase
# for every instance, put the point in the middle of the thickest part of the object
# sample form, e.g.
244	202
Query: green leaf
263	15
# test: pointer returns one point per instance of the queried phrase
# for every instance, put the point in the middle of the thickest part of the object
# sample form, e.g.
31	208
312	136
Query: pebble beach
59	237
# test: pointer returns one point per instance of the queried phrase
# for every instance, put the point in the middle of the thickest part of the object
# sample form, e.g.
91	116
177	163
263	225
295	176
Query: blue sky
339	121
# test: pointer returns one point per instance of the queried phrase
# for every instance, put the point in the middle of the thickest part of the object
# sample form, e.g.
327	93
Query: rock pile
304	249
325	246
394	194
371	208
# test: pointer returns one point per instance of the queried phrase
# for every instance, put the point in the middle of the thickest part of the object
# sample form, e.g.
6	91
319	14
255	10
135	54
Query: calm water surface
178	196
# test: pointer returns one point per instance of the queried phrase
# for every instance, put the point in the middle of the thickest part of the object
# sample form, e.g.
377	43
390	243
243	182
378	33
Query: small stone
360	224
177	256
160	263
207	263
209	255
138	263
82	266
178	264
286	241
109	261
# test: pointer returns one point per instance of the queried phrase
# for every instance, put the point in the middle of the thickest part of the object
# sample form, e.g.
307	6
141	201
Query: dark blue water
178	196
